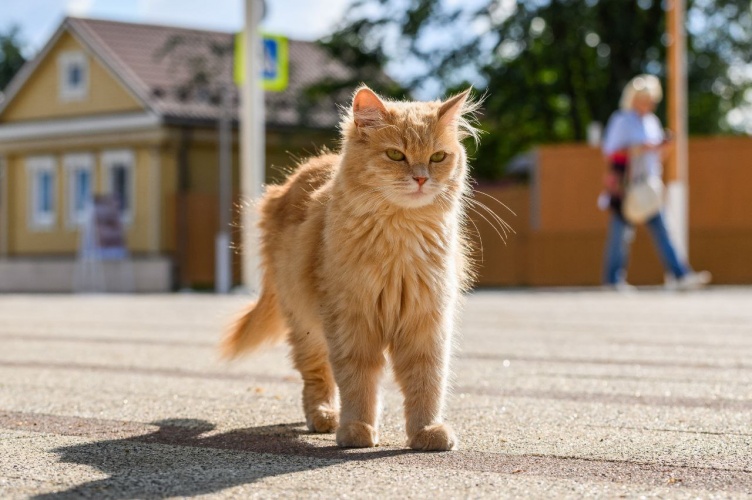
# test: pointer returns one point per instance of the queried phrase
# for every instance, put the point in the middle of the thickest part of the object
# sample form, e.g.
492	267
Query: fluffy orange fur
363	256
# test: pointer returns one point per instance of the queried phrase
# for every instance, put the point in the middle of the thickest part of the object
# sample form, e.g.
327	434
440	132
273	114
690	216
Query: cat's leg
420	361
310	356
358	364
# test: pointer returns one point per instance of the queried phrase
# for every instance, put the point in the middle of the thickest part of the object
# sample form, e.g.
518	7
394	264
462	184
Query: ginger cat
363	255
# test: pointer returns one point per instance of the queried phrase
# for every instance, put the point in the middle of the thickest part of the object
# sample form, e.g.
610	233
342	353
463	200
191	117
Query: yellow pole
677	166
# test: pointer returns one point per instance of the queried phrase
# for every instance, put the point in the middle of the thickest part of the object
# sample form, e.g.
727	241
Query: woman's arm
664	148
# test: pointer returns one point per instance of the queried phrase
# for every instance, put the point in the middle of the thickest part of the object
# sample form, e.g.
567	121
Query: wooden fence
559	231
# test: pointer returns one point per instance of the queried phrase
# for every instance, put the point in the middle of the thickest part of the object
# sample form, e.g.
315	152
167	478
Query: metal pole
252	143
677	171
223	260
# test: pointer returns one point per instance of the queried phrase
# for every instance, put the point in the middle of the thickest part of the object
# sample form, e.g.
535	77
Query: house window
73	68
120	180
80	173
42	191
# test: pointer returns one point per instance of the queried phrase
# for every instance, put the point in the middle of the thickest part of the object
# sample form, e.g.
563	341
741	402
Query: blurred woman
635	135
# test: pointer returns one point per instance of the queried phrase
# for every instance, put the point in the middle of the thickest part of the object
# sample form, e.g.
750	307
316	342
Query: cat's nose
420	180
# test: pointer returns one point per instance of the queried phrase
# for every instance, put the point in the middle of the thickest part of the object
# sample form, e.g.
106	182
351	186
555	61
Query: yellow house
111	108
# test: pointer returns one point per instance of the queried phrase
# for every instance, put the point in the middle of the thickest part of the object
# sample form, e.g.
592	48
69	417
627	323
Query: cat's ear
452	108
368	108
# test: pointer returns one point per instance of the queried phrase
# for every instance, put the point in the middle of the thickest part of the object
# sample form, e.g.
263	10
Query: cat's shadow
182	459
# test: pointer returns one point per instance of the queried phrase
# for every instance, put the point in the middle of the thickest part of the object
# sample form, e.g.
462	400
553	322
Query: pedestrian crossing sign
275	62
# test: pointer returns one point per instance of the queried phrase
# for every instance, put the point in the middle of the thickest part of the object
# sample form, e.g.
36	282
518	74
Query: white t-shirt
626	129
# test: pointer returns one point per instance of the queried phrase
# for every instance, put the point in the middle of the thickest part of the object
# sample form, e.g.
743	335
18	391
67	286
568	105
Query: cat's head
408	153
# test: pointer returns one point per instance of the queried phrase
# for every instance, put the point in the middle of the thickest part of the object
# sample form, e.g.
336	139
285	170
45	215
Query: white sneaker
693	280
621	287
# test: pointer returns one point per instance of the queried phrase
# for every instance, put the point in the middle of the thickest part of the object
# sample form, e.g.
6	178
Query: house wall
168	183
153	165
148	274
160	206
199	205
39	97
4	221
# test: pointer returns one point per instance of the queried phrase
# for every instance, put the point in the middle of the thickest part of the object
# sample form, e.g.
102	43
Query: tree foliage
11	58
549	67
367	66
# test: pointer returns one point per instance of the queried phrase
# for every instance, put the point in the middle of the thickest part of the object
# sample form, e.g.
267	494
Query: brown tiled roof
136	53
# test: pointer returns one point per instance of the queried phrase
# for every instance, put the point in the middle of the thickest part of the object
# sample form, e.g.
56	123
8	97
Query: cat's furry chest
393	238
392	262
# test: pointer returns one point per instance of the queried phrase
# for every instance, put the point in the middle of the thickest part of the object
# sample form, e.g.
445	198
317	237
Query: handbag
643	198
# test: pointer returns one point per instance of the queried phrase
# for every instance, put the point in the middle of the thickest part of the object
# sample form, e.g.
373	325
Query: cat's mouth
420	188
417	197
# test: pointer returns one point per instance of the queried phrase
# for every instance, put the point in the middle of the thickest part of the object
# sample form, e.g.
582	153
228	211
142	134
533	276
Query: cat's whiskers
477	232
498	222
418	136
446	198
504	224
388	126
475	211
495	199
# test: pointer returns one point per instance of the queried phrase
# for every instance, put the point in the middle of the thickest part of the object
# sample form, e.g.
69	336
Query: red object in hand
611	183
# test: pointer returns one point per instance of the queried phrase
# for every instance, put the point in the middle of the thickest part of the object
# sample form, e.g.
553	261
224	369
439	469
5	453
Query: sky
298	19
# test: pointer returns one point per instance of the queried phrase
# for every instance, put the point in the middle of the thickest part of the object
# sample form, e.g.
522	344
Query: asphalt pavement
556	394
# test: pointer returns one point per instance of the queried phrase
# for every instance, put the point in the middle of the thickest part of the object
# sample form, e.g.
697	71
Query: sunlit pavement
556	394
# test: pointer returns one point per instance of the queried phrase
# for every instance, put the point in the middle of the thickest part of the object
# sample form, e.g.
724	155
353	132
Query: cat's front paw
323	420
435	437
357	435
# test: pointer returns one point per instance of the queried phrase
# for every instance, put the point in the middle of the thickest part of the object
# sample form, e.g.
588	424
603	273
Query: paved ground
557	394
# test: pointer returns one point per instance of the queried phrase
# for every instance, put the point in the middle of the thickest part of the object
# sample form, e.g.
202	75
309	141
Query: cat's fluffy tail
262	323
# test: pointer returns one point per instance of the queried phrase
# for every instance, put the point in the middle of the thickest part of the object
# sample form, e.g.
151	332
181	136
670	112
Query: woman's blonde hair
641	84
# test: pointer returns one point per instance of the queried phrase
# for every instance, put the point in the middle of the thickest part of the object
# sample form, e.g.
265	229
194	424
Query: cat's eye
438	156
395	155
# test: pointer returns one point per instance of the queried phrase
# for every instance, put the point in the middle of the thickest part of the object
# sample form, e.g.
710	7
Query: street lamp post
252	143
223	259
677	171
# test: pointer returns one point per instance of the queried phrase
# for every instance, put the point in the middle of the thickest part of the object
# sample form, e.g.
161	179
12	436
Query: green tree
366	65
550	67
11	58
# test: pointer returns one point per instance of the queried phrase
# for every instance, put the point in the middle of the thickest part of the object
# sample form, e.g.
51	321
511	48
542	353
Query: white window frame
74	163
34	165
65	61
125	157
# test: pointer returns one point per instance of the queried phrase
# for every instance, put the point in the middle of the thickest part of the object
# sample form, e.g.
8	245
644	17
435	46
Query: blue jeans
618	243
